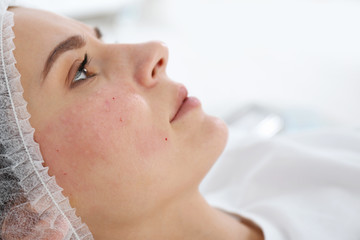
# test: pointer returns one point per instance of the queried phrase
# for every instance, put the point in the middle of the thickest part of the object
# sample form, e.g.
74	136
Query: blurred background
294	63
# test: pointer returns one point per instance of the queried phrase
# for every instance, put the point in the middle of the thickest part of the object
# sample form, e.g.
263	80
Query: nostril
158	65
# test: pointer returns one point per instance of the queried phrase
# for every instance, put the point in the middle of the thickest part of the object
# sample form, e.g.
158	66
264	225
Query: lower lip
188	104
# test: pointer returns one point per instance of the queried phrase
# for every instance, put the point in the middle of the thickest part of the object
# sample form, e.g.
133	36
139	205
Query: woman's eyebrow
98	33
73	42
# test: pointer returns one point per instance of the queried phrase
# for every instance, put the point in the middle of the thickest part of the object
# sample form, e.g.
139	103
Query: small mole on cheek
57	150
113	98
64	173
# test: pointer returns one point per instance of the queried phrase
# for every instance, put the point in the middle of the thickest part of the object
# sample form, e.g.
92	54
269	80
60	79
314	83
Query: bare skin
107	135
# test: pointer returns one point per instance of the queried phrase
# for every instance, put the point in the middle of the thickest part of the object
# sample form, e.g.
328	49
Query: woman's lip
188	104
181	96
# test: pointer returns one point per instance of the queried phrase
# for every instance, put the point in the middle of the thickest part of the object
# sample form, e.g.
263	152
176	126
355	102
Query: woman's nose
150	63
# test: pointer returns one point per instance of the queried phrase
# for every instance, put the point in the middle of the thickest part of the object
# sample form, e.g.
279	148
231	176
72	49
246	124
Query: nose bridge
145	63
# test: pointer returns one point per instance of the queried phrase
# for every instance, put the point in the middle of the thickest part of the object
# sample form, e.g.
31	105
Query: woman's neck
188	218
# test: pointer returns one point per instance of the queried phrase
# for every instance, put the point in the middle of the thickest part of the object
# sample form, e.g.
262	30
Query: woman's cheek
85	136
106	134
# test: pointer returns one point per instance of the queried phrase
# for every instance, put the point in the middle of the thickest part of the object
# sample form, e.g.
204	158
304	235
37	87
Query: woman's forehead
38	20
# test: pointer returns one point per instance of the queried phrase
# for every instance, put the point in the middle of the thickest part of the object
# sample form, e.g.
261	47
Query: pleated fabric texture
32	205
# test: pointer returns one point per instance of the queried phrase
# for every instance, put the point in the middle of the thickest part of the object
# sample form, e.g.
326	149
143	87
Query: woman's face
105	125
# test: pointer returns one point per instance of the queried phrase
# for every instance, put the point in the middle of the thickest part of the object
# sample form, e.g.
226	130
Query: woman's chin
215	140
221	128
222	134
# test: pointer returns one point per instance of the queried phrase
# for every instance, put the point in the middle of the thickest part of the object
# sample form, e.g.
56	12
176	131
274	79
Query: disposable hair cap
32	205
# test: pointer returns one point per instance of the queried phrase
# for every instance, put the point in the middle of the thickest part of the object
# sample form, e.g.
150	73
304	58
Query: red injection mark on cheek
121	119
113	98
165	139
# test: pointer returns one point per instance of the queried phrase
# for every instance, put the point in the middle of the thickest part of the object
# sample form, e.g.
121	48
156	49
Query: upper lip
181	96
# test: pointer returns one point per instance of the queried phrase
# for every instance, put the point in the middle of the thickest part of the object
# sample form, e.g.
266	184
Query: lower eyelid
85	81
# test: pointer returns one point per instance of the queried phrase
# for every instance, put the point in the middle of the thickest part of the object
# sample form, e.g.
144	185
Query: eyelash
82	69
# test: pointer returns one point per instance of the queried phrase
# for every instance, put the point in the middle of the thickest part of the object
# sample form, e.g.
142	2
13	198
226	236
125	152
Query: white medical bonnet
31	203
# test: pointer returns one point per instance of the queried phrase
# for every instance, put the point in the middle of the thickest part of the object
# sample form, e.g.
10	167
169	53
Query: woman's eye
82	73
